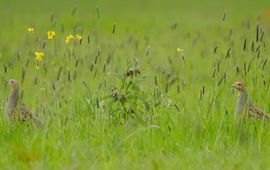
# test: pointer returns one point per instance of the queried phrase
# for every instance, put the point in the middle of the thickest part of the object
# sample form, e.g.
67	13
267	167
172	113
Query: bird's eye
11	81
239	84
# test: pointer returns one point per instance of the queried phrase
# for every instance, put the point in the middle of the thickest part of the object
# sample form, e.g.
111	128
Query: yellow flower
180	50
31	30
51	34
69	38
78	37
39	55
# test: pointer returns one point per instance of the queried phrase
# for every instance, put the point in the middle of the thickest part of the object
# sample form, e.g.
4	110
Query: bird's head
239	86
13	84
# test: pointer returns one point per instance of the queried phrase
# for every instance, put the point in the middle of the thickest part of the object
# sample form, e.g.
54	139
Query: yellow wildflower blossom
51	34
78	37
69	38
180	50
31	30
39	55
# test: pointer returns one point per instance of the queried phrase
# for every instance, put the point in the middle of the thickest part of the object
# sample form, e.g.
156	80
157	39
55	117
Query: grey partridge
22	113
244	106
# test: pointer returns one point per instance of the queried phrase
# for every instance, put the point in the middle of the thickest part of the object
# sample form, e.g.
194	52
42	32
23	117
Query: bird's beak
233	87
7	83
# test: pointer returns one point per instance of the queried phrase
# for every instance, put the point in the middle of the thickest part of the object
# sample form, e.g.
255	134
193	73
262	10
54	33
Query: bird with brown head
23	113
244	106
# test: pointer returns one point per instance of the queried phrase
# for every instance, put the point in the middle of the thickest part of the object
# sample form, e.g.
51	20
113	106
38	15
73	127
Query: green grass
161	119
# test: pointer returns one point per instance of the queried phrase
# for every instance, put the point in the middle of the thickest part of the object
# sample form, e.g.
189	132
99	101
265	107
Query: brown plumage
22	113
244	106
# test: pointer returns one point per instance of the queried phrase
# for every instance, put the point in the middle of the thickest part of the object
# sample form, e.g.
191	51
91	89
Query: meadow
135	84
